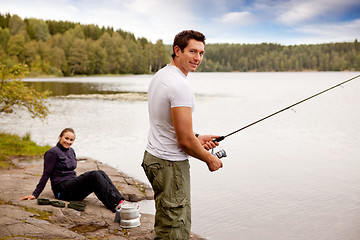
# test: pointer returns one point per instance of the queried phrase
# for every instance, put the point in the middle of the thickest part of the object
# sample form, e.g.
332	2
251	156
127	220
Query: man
171	138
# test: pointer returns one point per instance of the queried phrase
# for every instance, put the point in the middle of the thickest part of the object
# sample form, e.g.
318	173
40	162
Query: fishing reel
220	153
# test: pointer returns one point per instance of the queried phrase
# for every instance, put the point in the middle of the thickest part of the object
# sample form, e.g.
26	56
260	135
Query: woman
59	165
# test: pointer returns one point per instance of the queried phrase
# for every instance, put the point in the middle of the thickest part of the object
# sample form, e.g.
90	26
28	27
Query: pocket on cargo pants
171	185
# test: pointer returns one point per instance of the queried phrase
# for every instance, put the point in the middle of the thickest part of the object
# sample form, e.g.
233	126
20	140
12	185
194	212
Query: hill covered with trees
65	48
275	57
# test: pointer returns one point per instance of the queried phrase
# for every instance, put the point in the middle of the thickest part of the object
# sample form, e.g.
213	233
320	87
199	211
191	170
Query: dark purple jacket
59	165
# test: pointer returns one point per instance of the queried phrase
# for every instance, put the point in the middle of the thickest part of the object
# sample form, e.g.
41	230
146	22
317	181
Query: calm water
293	176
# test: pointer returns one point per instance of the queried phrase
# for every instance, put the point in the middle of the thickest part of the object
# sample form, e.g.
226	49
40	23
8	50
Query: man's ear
177	50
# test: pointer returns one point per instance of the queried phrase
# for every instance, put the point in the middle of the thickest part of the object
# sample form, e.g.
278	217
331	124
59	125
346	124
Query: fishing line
262	119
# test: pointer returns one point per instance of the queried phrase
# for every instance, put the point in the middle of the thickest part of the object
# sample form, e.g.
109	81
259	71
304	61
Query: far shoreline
42	76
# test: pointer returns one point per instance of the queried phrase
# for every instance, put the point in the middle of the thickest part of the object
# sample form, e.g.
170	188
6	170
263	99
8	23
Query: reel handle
221	153
219	139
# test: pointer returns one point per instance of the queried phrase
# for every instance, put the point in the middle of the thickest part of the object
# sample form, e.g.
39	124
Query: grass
15	146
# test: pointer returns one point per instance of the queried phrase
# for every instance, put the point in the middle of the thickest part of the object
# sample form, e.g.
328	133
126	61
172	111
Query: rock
26	219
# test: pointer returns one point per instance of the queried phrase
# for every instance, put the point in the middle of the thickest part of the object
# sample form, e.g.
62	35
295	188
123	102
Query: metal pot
129	211
130	223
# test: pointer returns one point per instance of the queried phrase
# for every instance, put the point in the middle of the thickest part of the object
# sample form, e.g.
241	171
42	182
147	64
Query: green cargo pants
170	181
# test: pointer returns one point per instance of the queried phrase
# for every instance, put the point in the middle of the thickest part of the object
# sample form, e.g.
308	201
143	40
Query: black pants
90	182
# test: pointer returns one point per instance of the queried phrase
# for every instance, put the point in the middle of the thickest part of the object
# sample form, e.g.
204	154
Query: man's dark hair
182	39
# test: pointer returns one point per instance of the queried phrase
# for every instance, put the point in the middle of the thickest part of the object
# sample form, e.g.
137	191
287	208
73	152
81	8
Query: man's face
191	57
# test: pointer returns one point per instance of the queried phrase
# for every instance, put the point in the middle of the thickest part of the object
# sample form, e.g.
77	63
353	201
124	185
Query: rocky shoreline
28	220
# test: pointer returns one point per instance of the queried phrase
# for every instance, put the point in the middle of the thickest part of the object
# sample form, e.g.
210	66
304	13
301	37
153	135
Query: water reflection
67	88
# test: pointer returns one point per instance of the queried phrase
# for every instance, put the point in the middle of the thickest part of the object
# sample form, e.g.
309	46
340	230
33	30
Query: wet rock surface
28	220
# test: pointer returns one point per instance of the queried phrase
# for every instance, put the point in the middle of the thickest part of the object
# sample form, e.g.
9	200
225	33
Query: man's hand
214	163
207	141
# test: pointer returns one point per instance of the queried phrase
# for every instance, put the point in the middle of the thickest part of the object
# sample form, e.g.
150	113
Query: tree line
343	56
65	48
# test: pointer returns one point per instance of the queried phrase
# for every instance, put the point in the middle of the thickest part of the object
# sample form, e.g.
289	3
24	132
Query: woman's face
67	139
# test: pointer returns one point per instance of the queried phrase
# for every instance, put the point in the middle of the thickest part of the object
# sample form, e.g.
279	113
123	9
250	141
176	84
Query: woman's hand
207	141
30	197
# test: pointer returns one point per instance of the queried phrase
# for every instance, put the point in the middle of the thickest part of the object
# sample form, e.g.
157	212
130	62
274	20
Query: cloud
298	13
238	18
153	20
301	11
335	32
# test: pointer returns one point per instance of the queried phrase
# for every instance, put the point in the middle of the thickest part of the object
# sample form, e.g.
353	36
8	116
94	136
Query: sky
286	22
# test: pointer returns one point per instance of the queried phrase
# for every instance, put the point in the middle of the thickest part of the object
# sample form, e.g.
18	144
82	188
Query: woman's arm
49	165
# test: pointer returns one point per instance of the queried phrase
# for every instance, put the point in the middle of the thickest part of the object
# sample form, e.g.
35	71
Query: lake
293	176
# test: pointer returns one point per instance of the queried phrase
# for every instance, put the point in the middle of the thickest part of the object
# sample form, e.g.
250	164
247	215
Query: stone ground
28	220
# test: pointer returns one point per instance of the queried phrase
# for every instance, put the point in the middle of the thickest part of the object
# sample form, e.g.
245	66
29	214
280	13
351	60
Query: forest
62	48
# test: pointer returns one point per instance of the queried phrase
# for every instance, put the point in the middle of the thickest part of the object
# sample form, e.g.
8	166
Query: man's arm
182	121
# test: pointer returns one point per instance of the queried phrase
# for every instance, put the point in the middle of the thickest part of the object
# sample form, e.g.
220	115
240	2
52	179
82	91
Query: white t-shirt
168	88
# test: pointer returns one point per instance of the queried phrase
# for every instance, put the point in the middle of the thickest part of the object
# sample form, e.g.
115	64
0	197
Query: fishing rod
262	119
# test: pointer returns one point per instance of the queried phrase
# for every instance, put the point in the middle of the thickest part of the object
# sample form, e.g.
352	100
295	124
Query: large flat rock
28	220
